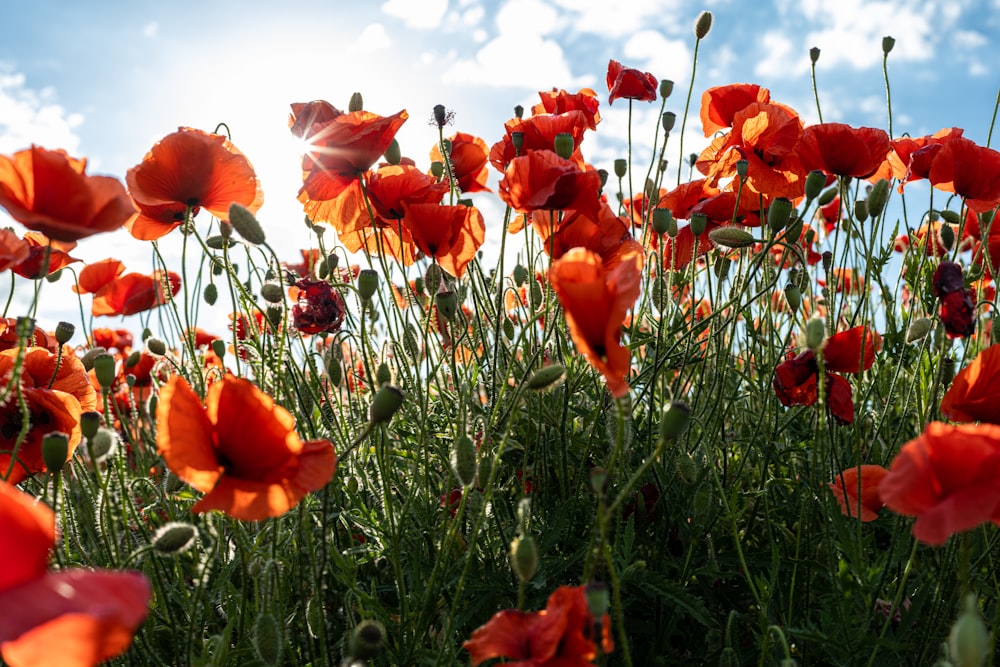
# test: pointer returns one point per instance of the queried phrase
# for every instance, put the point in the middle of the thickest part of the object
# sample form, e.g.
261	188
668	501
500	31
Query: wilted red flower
561	635
559	102
96	275
450	234
720	104
344	145
596	301
836	148
958	304
543	181
189	169
468	161
70	618
49	192
45	256
974	394
948	477
242	451
134	293
630	84
845	489
318	307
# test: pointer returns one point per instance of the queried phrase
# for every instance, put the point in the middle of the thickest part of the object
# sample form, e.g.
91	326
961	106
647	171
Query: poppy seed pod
743	168
887	44
440	115
815	181
55	449
731	237
102	445
356	103
64	332
603	173
563	145
699	221
827	195
661	220
703	24
386	403
814	54
667	120
778	214
621	167
666	88
517	141
90	421
245	223
392	154
367	639
827	260
367	283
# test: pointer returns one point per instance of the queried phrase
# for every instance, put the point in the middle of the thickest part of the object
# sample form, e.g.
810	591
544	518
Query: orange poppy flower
606	235
845	489
630	84
96	275
70	618
39	338
242	451
561	635
948	477
450	234
559	101
111	339
134	293
55	397
189	169
720	104
685	196
836	148
543	181
45	256
344	145
974	394
13	249
596	301
468	162
48	191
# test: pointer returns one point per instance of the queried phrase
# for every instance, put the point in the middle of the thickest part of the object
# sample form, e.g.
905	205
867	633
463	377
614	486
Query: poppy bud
508	329
219	347
778	214
687	467
432	278
814	54
969	640
861	210
947	371
563	145
887	44
386	403
517	140
64	332
535	295
334	369
703	24
520	275
90	421
518	111
437	169
54	276
392	154
598	599
156	347
447	304
827	196
621	167
827	260
367	283
661	220
547	378
947	236
104	369
267	639
667	120
446	147
918	329
731	237
666	88
217	242
272	292
102	445
55	449
721	267
603	173
174	537
367	639
793	296
463	460
356	103
947	215
598	480
382	374
815	333
674	420
524	557
877	198
699	221
246	224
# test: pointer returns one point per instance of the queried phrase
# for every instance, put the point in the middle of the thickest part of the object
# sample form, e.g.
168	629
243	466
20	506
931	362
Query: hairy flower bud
878	197
731	237
674	420
815	333
267	638
174	537
386	403
524	557
246	224
392	154
815	181
463	460
918	329
703	24
367	639
547	378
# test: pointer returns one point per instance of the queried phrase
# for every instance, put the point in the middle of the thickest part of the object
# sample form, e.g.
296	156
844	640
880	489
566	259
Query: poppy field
742	410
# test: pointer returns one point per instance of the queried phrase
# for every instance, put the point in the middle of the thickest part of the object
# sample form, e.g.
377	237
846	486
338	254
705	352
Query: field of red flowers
750	418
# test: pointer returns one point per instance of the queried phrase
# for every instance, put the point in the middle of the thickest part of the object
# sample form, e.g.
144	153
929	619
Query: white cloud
977	68
150	29
473	16
778	50
417	13
968	39
527	17
664	58
616	19
373	38
30	116
514	60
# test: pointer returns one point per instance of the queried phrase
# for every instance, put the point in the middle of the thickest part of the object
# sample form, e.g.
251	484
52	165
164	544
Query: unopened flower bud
667	120
947	371
827	195
104	369
703	24
392	154
731	237
520	274
598	600
666	88
246	224
860	210
174	537
219	347
877	197
55	450
815	181
603	173
827	260
382	374
778	214
272	292
356	103
267	638
463	460
211	294
563	145
699	221
887	44
64	332
621	167
815	333
387	401
918	329
367	640
969	640
103	444
674	420
524	557
447	304
947	235
156	347
793	296
367	283
437	169
547	378
793	230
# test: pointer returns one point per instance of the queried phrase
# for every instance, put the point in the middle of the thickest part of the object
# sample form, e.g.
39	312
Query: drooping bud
778	213
918	329
524	557
219	347
703	24
563	145
246	224
731	237
447	304
860	210
55	449
463	460
827	196
621	167
272	292
156	347
211	294
793	296
947	235
598	600
357	103
815	181
267	638
520	274
674	420
174	537
547	378
386	403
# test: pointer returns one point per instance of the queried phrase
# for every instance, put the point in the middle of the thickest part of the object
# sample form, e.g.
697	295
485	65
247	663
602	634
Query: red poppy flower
539	134
13	250
606	235
975	391
897	162
596	301
958	304
468	162
845	489
630	84
117	339
134	293
561	635
70	618
9	337
242	451
343	145
318	307
949	478
543	181
559	101
189	169
96	275
835	148
720	104
49	192
450	234
55	397
45	256
961	166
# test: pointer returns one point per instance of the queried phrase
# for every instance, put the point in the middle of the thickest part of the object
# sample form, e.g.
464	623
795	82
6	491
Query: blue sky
106	80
